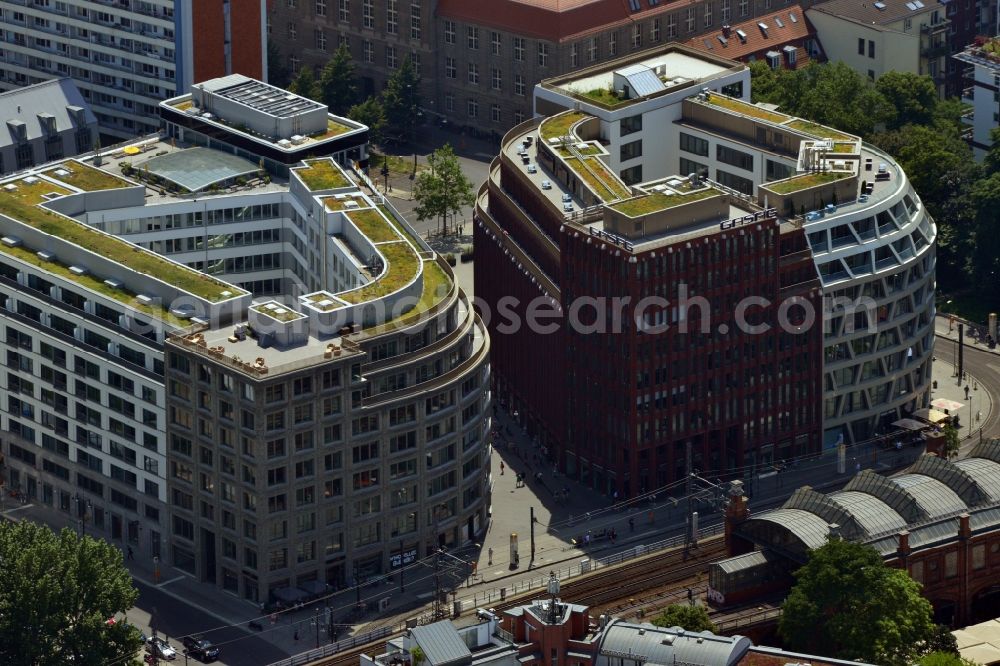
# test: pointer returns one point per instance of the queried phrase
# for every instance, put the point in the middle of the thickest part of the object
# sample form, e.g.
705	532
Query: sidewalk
941	330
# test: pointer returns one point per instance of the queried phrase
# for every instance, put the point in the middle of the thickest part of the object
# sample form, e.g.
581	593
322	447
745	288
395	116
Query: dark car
200	649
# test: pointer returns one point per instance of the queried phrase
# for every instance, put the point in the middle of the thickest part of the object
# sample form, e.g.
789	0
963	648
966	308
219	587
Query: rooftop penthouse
260	120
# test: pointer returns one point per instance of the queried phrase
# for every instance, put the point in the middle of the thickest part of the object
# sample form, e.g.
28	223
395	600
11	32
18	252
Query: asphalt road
985	367
174	617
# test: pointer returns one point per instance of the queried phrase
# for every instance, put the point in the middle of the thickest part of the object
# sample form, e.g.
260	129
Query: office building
666	179
129	55
44	122
480	61
267	380
983	58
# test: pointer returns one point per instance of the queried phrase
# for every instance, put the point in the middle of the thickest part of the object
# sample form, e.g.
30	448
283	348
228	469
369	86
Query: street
174	618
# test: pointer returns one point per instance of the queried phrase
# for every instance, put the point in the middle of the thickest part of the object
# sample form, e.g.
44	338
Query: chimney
964	530
903	549
737	512
834	532
726	30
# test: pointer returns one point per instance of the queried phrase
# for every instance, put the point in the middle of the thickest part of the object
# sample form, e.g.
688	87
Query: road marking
168	582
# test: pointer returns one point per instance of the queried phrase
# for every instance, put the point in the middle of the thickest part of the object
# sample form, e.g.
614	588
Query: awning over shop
909	424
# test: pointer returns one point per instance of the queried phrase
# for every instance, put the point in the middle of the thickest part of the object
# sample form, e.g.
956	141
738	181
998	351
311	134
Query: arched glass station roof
873	509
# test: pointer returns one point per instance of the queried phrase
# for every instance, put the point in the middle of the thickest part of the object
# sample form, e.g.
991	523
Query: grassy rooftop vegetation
606	186
652	203
371	223
818	131
334	204
844	147
86	178
591	149
284	316
184	104
399	226
437	284
333	128
603	96
29	256
746	108
403	264
21	205
558	126
322	175
806	180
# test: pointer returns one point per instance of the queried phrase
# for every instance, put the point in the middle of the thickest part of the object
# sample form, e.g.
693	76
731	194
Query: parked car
161	648
532	168
568	206
546	185
567	198
201	649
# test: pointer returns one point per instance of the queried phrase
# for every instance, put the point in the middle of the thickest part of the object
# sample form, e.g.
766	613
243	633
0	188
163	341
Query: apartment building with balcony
983	57
128	55
44	122
668	185
266	379
915	36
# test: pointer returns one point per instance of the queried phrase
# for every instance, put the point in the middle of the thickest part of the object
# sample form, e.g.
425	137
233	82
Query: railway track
600	588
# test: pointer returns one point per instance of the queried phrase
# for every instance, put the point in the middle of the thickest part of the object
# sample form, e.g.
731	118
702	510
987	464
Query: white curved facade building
881	249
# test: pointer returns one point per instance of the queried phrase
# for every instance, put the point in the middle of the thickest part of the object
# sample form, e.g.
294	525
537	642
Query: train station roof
873	509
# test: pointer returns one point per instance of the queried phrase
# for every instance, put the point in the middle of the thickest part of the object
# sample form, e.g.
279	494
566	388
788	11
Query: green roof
805	180
322	175
747	109
558	126
403	265
652	203
604	183
86	177
371	223
818	131
22	205
333	128
283	313
435	288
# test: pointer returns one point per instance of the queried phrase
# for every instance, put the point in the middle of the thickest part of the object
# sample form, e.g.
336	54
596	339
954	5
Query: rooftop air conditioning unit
285	143
298	139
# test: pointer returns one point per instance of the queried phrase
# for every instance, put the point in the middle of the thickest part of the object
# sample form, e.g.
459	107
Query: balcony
935	51
942	26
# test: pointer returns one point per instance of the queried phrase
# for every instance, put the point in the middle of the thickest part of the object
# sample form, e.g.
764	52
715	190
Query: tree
847	603
689	618
305	84
401	100
944	659
991	163
371	113
338	82
443	189
914	98
277	70
951	441
57	592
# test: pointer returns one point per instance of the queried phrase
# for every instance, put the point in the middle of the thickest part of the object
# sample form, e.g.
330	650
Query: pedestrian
296	636
631	524
501	468
857	467
491	557
615	496
130	552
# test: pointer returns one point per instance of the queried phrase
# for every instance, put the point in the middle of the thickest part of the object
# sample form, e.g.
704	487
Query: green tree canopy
338	82
443	189
847	603
277	70
991	163
371	113
951	441
913	98
401	100
57	592
944	659
690	618
305	84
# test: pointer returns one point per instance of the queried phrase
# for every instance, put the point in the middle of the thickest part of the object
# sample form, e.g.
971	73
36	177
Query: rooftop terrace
84	177
658	201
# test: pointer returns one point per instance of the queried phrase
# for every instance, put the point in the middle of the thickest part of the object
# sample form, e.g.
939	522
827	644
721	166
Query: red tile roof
553	20
789	33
